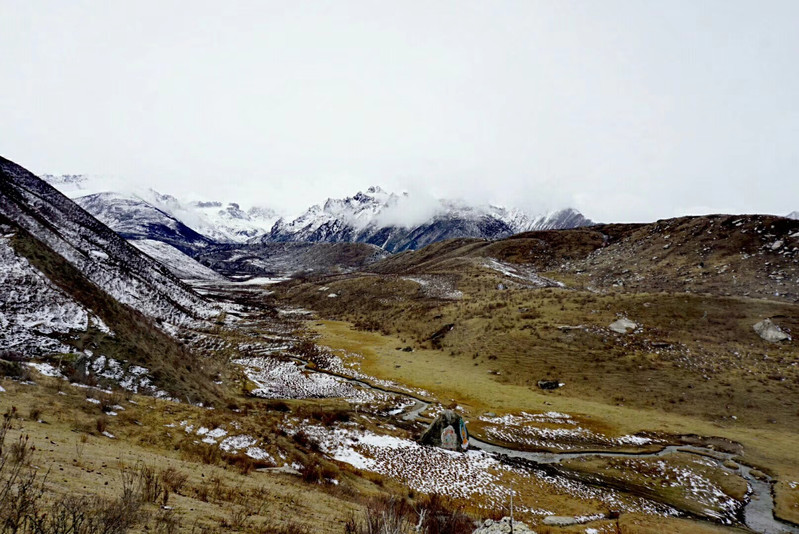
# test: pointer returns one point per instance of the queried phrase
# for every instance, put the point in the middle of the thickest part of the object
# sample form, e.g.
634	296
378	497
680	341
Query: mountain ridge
393	222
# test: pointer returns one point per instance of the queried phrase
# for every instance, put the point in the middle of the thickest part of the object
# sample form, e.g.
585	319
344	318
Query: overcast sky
628	111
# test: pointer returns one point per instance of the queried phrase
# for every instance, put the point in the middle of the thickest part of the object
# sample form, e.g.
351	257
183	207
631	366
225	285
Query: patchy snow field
475	476
520	274
551	430
439	287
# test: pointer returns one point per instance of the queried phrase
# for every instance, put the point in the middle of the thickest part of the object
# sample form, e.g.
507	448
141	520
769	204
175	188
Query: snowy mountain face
160	216
227	223
392	222
396	223
181	265
793	215
31	207
134	218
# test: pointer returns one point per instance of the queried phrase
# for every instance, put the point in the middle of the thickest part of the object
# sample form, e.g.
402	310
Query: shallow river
759	507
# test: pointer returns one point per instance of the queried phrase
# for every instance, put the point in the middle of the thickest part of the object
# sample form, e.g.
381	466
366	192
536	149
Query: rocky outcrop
770	332
448	431
503	526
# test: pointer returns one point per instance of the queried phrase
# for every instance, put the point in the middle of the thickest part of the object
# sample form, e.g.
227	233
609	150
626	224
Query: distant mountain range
397	223
392	222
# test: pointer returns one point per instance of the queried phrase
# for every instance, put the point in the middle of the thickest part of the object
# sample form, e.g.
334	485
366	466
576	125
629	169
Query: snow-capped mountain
793	215
151	215
390	221
134	218
226	223
399	222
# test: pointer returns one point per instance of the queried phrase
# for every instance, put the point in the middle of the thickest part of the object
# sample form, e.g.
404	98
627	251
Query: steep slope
178	263
76	293
33	311
101	255
134	218
396	223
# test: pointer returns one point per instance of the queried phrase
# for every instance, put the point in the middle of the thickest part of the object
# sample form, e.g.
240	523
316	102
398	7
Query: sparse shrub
102	424
151	485
386	515
202	452
442	516
35	413
25	510
278	406
12	365
173	479
167	522
305	441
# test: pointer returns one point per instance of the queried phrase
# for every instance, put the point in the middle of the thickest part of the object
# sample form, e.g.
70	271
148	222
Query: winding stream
758	512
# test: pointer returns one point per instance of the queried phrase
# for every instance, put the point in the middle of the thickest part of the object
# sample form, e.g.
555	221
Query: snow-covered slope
181	265
397	222
98	253
32	309
226	223
793	215
134	218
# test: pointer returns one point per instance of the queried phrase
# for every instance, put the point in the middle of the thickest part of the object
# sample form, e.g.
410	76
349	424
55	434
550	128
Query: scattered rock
560	520
770	332
502	287
550	384
623	325
448	431
503	526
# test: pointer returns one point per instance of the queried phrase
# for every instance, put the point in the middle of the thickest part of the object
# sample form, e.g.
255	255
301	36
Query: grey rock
623	325
770	332
560	520
503	527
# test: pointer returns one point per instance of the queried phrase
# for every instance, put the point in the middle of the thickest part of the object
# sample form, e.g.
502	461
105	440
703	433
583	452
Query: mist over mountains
393	222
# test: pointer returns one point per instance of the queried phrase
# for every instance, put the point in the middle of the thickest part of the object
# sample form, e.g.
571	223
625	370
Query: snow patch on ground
520	273
550	429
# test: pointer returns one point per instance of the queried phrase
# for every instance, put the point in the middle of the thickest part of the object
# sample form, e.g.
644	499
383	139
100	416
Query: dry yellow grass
477	392
216	497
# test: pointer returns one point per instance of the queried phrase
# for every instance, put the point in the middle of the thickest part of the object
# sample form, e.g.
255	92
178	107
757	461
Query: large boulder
623	326
770	332
448	431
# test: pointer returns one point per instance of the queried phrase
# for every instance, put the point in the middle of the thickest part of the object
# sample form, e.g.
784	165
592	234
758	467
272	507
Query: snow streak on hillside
181	265
32	309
